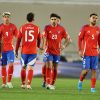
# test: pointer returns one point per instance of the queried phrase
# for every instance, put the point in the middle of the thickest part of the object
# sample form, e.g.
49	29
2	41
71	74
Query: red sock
48	75
10	73
54	76
30	76
44	73
4	74
93	82
23	75
82	77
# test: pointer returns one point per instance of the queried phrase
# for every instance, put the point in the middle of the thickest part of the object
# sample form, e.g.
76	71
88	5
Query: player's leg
30	64
44	70
44	74
3	69
10	59
56	60
24	60
94	65
86	67
49	65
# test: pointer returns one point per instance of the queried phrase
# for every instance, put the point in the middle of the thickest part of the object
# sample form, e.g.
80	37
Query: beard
93	23
54	24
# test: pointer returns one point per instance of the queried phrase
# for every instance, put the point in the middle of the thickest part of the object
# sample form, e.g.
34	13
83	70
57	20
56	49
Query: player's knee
11	64
24	67
30	67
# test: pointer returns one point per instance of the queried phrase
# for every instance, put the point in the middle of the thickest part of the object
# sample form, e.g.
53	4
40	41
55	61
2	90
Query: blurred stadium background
74	14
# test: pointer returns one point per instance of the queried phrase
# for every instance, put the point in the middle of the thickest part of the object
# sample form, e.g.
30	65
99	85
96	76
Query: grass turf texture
66	89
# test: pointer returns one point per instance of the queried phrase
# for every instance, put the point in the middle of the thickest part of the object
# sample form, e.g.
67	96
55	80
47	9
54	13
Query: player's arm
15	31
99	40
0	45
18	42
43	43
80	40
67	40
38	39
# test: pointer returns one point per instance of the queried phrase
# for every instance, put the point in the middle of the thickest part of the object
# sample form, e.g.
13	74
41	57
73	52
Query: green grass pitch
66	89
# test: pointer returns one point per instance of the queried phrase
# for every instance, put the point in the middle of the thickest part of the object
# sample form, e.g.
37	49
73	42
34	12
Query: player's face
6	19
54	21
59	21
93	20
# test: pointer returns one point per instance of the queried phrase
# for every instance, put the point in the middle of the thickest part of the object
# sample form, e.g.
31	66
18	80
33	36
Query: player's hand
62	47
0	55
16	54
41	51
81	54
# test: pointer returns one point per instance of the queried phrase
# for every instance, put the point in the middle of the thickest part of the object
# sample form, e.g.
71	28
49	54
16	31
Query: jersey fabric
30	34
88	40
54	36
90	62
7	33
7	57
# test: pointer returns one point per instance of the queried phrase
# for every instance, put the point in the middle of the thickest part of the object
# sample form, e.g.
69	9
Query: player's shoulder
12	25
30	25
86	26
1	25
60	26
98	28
47	26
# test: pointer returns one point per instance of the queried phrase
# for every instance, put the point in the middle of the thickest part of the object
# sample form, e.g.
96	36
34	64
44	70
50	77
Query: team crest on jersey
50	32
11	29
97	32
88	31
58	32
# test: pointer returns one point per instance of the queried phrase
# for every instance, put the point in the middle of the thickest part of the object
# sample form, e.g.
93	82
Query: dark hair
30	17
59	17
93	14
53	15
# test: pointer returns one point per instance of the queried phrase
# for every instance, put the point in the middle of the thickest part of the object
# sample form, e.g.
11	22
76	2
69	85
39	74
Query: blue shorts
51	57
90	62
7	57
28	59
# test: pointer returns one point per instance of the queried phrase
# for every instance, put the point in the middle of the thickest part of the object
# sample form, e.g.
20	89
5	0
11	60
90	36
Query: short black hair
93	14
59	17
30	17
53	15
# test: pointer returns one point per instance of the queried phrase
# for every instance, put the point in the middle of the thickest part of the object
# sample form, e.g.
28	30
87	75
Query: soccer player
44	60
29	34
88	40
54	33
7	33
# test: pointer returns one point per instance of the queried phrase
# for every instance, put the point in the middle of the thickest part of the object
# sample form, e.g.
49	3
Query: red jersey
54	36
29	33
7	33
88	40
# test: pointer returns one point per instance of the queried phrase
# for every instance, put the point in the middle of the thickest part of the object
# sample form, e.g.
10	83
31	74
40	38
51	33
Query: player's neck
6	23
30	22
92	25
53	25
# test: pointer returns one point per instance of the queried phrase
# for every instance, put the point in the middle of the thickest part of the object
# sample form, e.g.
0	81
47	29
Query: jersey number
54	36
93	37
6	33
29	34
